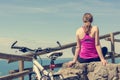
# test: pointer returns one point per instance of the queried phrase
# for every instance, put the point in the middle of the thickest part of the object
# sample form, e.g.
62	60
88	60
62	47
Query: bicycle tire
58	77
45	77
75	78
32	76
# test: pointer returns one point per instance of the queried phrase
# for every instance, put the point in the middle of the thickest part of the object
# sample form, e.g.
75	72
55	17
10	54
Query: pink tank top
88	49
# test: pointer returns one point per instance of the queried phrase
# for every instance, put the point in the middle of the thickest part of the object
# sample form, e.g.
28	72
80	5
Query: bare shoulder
95	28
79	30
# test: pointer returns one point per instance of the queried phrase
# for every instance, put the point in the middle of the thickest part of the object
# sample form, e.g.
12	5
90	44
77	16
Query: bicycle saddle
54	55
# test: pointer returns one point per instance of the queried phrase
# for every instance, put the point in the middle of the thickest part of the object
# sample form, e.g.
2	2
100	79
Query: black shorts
81	60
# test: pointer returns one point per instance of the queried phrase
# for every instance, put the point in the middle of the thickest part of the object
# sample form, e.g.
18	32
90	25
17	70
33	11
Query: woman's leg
73	50
81	60
104	51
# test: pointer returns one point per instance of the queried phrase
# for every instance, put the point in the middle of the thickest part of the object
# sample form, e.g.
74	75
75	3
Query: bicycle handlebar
25	49
22	49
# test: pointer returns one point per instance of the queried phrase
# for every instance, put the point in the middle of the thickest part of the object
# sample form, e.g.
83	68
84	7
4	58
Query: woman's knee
104	51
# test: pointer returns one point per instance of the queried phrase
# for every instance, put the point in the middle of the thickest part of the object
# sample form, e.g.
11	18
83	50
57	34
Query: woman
88	47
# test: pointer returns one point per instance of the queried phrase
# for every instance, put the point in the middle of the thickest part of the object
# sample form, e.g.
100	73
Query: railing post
21	68
112	48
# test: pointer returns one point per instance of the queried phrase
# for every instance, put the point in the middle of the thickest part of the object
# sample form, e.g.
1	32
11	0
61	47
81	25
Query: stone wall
91	71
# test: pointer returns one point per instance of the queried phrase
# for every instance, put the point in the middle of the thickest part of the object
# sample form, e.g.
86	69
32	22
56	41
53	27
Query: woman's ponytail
88	18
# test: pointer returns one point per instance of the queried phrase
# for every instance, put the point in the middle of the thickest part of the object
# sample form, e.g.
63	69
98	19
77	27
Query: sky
40	23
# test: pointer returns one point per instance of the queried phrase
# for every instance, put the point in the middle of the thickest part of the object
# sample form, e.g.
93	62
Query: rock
91	71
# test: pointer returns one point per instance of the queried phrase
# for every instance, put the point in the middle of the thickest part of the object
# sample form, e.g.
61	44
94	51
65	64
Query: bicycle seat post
53	56
52	64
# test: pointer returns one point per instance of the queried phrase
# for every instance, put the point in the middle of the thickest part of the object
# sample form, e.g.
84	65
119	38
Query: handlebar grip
59	44
13	44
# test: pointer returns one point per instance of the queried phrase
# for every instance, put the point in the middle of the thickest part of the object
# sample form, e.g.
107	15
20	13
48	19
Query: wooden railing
28	57
15	57
15	75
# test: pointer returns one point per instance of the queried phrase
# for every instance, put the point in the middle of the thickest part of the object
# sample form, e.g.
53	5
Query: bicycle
39	72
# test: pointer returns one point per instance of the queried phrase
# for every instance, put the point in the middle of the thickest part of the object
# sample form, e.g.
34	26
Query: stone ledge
91	71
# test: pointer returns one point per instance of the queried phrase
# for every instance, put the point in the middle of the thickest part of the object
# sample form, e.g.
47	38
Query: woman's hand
70	63
104	62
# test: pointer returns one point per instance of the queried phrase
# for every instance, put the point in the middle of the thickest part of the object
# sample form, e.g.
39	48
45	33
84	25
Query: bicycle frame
38	68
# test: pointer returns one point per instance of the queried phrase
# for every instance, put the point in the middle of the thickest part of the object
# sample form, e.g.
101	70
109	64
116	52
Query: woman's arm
78	47
98	46
76	51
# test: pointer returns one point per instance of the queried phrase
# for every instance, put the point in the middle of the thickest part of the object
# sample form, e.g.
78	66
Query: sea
5	67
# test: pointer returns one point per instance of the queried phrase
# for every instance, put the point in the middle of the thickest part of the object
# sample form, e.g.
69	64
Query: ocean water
5	67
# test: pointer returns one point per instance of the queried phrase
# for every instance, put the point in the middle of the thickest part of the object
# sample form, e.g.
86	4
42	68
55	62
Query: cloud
19	9
70	8
59	10
5	43
5	46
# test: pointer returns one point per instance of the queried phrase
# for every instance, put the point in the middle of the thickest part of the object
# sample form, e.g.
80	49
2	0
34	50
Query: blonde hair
87	17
